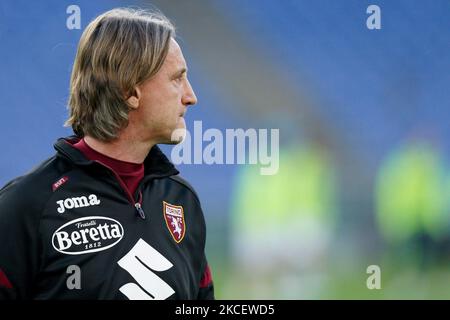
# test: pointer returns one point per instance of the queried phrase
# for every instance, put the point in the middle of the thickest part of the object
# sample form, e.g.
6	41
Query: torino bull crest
174	216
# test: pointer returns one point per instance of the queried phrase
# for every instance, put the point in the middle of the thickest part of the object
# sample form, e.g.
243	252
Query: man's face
164	98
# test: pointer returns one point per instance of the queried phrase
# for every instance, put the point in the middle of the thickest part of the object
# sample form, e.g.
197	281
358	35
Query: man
108	217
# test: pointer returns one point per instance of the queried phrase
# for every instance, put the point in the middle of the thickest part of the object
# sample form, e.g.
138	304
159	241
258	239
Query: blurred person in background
412	212
282	225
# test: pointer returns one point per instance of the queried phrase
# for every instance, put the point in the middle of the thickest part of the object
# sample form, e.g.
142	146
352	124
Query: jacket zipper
137	205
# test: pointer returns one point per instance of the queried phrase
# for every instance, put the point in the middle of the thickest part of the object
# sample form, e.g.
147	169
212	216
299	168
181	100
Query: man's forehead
175	58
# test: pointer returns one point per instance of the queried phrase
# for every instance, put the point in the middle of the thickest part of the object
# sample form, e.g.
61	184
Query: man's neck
121	149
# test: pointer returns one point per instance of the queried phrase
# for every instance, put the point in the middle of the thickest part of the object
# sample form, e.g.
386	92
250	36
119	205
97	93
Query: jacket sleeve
206	288
19	242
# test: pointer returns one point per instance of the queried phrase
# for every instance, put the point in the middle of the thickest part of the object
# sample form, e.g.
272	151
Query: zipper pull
139	210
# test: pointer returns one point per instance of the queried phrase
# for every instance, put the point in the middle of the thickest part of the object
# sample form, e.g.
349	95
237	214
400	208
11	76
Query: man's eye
179	79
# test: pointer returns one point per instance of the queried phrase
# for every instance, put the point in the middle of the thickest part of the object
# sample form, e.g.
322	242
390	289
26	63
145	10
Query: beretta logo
88	234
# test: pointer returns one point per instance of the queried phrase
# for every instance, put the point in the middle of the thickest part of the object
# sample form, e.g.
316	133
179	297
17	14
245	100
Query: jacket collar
155	164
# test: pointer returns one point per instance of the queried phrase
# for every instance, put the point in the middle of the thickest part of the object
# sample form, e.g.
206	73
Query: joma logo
77	202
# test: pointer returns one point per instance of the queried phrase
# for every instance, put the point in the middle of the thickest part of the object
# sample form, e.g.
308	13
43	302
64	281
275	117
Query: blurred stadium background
364	124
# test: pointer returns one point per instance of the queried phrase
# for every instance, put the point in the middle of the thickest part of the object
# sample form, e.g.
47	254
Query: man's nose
189	97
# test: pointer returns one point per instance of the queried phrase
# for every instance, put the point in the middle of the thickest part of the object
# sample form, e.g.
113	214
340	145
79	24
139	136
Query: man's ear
133	99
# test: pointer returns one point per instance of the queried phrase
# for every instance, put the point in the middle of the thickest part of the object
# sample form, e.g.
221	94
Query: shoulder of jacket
186	184
34	187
